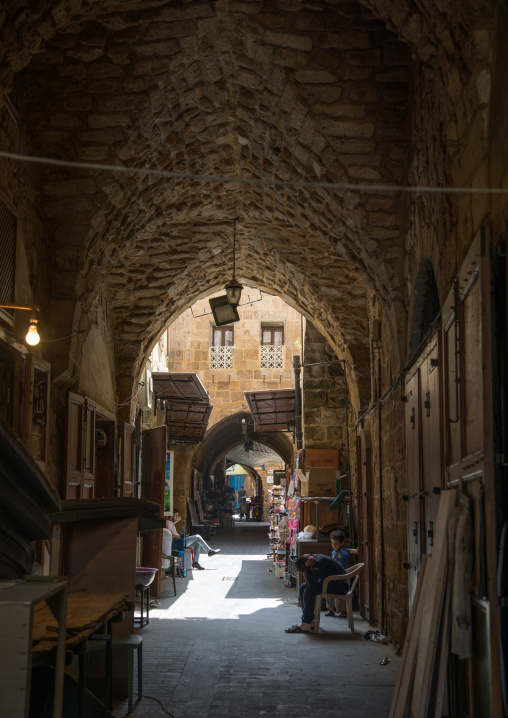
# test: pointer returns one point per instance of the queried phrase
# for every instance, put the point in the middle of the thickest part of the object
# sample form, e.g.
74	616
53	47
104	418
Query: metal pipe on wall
381	526
298	402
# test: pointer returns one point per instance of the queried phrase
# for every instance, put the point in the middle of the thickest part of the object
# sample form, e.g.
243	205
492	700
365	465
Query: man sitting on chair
316	569
195	542
167	542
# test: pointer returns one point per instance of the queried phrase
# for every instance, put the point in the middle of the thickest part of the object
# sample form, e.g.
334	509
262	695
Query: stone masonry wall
324	396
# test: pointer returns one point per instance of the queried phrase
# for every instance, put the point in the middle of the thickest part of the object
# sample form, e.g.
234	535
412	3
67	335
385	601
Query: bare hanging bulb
32	338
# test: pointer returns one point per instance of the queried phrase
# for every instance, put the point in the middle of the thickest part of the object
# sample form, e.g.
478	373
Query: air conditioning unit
145	395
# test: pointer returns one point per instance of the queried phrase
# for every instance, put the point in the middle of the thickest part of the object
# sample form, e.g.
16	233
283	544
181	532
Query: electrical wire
60	339
223	179
127	401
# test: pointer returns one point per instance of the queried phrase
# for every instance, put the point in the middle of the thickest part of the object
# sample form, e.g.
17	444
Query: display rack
277	500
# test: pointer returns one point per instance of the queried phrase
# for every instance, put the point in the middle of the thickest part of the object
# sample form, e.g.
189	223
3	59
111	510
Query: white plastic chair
351	573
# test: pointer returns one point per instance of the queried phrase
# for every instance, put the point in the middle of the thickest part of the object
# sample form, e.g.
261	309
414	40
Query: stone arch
426	307
104	100
227	433
342	326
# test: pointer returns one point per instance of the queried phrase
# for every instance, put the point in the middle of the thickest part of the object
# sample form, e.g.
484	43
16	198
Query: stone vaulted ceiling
314	92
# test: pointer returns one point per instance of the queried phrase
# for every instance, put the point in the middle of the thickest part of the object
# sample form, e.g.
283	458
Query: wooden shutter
89	450
464	370
431	428
127	468
414	483
451	388
153	475
80	448
74	446
467	348
364	449
36	407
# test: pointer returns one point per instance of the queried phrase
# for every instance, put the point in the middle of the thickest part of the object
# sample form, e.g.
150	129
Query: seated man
316	569
195	542
167	541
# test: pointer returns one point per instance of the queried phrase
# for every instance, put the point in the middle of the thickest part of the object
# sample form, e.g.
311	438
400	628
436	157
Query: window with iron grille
272	346
221	351
7	259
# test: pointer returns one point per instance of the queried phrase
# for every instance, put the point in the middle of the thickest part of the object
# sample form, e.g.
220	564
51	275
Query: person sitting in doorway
244	509
196	542
316	568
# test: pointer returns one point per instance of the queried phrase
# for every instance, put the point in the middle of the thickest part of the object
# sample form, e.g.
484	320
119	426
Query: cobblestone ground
219	647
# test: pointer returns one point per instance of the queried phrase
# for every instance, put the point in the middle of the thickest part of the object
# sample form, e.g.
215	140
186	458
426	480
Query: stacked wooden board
27	500
421	684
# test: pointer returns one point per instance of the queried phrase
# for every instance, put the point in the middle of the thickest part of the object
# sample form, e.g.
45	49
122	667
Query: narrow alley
219	648
254	260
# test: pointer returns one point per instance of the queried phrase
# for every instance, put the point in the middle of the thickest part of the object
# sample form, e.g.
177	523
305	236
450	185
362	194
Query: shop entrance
236	481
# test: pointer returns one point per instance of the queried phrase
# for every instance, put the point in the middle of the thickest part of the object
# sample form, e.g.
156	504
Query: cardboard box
321	458
321	482
324	516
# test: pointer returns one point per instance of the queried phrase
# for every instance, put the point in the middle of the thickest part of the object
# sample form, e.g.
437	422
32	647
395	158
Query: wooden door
105	454
74	446
153	474
451	386
467	347
127	467
364	483
36	408
89	415
80	448
431	428
413	494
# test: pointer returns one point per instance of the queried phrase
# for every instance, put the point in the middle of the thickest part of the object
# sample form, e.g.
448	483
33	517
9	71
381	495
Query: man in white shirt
167	541
195	542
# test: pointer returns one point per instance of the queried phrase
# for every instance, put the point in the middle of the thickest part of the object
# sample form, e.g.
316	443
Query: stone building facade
357	142
229	367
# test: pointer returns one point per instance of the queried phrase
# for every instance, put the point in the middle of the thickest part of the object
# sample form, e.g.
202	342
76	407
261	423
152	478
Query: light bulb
32	336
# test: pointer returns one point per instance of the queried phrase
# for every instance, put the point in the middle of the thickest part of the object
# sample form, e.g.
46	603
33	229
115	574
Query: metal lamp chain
234	249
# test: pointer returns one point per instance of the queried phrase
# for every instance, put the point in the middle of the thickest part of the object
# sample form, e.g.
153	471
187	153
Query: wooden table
87	611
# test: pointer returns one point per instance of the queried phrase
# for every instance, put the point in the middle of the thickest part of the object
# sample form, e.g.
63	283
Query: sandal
295	629
329	613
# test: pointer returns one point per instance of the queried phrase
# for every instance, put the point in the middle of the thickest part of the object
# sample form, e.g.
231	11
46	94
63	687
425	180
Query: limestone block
346	129
315	77
344	41
296	42
364	57
356	73
269	21
366	173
